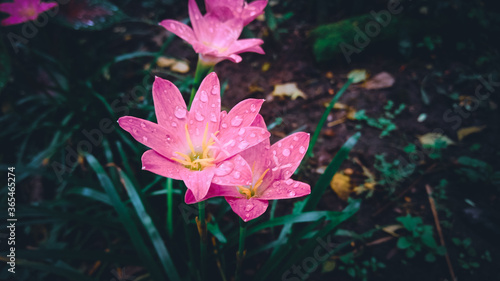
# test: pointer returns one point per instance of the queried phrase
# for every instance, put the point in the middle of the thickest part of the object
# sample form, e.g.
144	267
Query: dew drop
241	131
130	120
289	181
252	135
296	184
143	125
168	138
215	90
253	108
248	208
224	125
213	118
144	138
224	169
237	120
295	138
172	26
174	124
243	145
180	112
291	193
286	152
302	150
203	96
198	116
279	144
236	175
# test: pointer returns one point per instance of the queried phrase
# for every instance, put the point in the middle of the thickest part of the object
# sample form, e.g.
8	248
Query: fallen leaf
357	75
328	266
341	185
391	229
165	62
463	132
180	67
265	67
288	90
430	139
380	81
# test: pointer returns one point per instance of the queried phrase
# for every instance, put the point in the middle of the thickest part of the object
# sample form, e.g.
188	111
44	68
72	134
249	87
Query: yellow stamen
250	191
259	181
197	160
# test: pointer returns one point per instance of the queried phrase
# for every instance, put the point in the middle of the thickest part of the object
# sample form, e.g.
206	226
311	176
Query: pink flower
201	145
272	167
24	10
213	39
236	9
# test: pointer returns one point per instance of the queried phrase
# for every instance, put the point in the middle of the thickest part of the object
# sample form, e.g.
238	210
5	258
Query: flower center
250	190
197	160
28	12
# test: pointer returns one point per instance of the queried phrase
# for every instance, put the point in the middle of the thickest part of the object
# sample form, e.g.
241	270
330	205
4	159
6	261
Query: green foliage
359	269
390	173
384	123
468	258
419	238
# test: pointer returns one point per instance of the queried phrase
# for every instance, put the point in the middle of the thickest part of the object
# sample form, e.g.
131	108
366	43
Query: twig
438	227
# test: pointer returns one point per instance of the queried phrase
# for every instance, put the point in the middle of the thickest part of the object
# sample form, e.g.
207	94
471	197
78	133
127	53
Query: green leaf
403	243
147	222
132	229
430	257
91	194
90	15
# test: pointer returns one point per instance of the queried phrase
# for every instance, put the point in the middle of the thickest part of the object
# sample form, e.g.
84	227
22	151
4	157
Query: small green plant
383	123
468	258
393	172
419	237
359	270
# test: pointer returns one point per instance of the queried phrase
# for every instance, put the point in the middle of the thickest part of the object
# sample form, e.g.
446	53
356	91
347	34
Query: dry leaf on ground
430	139
288	90
380	81
463	132
341	185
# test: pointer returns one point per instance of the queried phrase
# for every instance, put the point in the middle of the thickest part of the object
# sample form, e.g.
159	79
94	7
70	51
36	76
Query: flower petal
14	20
257	157
233	171
169	104
253	10
178	28
197	20
43	6
287	153
244	138
241	116
9	8
156	163
205	109
198	181
247	209
246	45
285	189
259	122
162	140
214	191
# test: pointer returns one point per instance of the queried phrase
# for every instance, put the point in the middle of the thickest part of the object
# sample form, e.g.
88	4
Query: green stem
241	250
273	210
202	70
323	119
202	228
170	223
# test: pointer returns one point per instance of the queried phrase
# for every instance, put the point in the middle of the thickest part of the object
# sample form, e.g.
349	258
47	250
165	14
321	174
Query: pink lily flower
201	145
272	167
24	10
214	40
236	9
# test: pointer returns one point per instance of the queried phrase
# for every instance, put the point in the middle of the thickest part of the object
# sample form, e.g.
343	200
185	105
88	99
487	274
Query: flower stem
170	223
323	118
240	255
202	229
202	69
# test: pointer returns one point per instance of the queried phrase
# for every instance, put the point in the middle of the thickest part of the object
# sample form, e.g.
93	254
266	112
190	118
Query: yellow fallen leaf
380	81
180	67
288	90
265	67
341	185
329	266
357	75
391	229
463	132
165	62
431	138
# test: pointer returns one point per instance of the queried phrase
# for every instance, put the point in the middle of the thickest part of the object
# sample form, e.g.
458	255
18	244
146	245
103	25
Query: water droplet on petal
203	96
144	139
279	144
295	138
224	125
236	175
143	125
172	26
302	150
241	131
237	120
289	181
286	152
296	184
215	90
174	124
249	207
224	169
243	145
213	118
168	138
291	193
253	107
198	116
180	112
